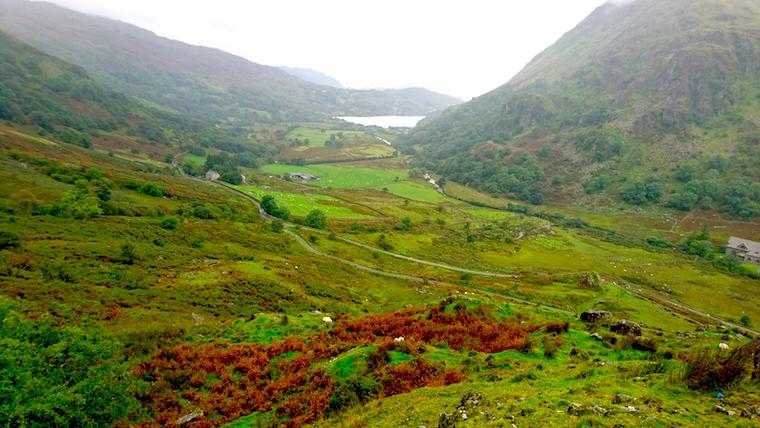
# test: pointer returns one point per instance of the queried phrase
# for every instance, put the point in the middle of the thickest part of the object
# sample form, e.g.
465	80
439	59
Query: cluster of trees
644	191
708	187
699	245
270	206
227	167
521	177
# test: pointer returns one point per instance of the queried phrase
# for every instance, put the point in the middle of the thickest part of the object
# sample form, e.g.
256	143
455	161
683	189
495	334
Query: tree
597	184
316	219
683	201
685	173
80	203
269	205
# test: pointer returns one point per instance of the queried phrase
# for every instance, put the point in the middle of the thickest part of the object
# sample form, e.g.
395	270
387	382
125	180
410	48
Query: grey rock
594	316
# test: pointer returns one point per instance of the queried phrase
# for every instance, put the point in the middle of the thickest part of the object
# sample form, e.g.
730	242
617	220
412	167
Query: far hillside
201	82
643	103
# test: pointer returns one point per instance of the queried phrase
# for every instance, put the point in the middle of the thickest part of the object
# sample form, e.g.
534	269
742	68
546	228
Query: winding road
696	316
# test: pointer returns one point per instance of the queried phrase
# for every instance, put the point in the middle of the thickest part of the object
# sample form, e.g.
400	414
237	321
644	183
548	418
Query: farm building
744	249
303	176
212	175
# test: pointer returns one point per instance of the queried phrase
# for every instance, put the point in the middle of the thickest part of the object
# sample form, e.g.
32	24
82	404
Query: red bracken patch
228	381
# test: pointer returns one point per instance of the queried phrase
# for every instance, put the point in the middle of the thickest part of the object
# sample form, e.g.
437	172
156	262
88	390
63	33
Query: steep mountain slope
54	99
199	81
312	76
636	89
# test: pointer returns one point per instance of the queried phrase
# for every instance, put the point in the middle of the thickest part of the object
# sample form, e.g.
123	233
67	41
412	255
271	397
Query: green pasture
302	204
395	181
318	137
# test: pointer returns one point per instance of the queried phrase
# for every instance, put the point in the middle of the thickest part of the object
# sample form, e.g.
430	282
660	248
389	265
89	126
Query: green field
301	205
195	159
396	181
318	137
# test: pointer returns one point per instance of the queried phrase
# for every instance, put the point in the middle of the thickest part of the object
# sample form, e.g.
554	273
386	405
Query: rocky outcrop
626	328
594	316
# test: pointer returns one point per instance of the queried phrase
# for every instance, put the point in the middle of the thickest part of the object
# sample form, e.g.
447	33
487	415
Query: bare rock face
626	328
594	316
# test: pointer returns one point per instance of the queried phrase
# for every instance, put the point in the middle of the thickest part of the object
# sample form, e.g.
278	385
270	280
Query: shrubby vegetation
61	376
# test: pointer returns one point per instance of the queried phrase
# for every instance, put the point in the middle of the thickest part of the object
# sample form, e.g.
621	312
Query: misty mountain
636	89
312	76
198	81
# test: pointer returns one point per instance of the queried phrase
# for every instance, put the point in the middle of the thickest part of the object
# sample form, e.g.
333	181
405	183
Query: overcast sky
463	48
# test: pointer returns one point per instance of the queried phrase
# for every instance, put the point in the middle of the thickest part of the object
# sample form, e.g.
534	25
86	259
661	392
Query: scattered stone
317	312
723	346
626	328
750	412
622	398
597	337
571	366
327	320
464	416
578	409
725	411
189	417
399	339
596	316
197	318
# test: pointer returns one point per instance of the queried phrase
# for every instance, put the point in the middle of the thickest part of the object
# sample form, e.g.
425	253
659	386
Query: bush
659	243
151	190
127	254
170	223
9	240
717	369
383	243
61	376
405	224
746	321
551	346
316	219
557	327
597	184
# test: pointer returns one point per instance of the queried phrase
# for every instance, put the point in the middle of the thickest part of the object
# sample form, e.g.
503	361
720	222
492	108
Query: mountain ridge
199	81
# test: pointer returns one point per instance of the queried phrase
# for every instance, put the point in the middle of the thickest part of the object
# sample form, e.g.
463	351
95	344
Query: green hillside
640	89
136	292
193	80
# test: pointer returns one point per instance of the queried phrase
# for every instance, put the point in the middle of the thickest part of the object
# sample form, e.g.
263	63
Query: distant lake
384	121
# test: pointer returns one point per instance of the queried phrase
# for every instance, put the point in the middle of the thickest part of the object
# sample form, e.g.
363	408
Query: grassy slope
192	275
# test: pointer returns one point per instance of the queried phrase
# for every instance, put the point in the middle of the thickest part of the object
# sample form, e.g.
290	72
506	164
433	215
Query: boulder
725	411
596	317
327	320
189	417
723	346
399	339
626	328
